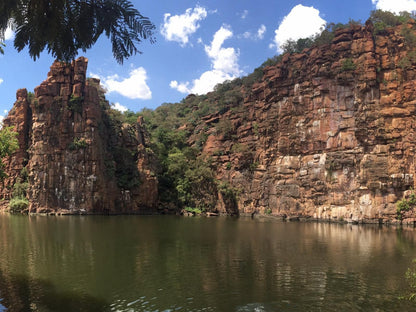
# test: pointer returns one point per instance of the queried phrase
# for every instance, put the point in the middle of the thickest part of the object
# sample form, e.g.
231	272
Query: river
166	263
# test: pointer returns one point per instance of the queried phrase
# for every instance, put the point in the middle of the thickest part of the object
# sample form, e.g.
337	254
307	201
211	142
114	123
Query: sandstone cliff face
328	133
77	157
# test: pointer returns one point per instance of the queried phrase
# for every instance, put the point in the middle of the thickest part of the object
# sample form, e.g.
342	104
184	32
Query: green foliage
130	117
406	62
65	27
20	188
292	46
384	19
229	196
18	204
227	191
256	128
77	144
348	64
409	37
404	205
75	104
225	128
2	45
8	145
194	210
196	186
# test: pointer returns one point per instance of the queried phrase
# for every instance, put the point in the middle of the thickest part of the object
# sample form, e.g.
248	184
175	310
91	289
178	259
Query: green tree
63	27
8	144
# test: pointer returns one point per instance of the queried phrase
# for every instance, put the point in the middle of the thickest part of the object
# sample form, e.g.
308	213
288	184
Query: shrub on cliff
8	144
18	204
384	19
405	204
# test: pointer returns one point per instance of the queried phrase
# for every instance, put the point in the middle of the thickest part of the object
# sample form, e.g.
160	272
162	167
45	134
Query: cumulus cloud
1	81
259	35
178	28
301	22
133	87
119	107
395	6
224	65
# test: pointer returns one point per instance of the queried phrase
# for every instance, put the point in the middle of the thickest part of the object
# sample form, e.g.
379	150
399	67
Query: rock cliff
77	157
328	133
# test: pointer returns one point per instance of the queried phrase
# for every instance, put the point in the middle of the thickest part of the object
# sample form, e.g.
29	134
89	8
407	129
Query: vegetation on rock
405	204
8	144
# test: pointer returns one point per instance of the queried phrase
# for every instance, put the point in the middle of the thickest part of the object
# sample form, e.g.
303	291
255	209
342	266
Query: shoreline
409	222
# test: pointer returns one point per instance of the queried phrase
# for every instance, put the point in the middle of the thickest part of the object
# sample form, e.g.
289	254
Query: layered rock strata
77	157
328	133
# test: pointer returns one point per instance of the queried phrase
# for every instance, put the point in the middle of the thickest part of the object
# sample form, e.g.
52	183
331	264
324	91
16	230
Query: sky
198	44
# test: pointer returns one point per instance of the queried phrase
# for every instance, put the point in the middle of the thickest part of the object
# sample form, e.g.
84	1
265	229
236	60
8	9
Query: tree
63	27
8	144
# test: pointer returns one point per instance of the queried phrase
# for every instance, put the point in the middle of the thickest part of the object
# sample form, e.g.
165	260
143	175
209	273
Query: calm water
136	263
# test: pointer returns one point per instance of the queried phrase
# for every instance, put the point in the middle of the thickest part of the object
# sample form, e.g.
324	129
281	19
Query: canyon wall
328	133
77	158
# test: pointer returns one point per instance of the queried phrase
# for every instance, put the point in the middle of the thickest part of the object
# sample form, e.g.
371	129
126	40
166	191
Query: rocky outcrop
328	133
77	156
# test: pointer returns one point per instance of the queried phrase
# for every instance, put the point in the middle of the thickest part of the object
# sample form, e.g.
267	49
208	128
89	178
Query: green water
136	263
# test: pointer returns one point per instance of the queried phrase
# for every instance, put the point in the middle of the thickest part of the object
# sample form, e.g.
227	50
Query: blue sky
199	44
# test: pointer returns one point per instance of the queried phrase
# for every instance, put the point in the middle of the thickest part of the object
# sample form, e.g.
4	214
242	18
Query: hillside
327	133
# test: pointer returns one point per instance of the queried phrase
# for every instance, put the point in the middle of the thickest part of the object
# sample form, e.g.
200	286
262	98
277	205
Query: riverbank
386	220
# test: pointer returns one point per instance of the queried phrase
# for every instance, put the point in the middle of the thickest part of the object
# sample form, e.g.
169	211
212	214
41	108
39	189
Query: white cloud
244	14
181	87
261	31
1	81
179	27
119	107
224	64
259	35
9	34
395	6
301	22
133	87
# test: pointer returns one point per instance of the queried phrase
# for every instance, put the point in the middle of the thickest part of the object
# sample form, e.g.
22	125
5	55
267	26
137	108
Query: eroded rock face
77	157
329	133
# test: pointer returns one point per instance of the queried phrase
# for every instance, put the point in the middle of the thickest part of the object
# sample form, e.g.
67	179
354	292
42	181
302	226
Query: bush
194	210
18	204
77	144
348	64
409	37
404	205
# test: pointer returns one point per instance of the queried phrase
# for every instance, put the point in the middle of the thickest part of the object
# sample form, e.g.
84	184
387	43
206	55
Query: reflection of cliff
78	156
219	263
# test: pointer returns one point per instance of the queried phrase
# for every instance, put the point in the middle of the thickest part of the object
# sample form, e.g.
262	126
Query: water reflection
20	293
178	264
